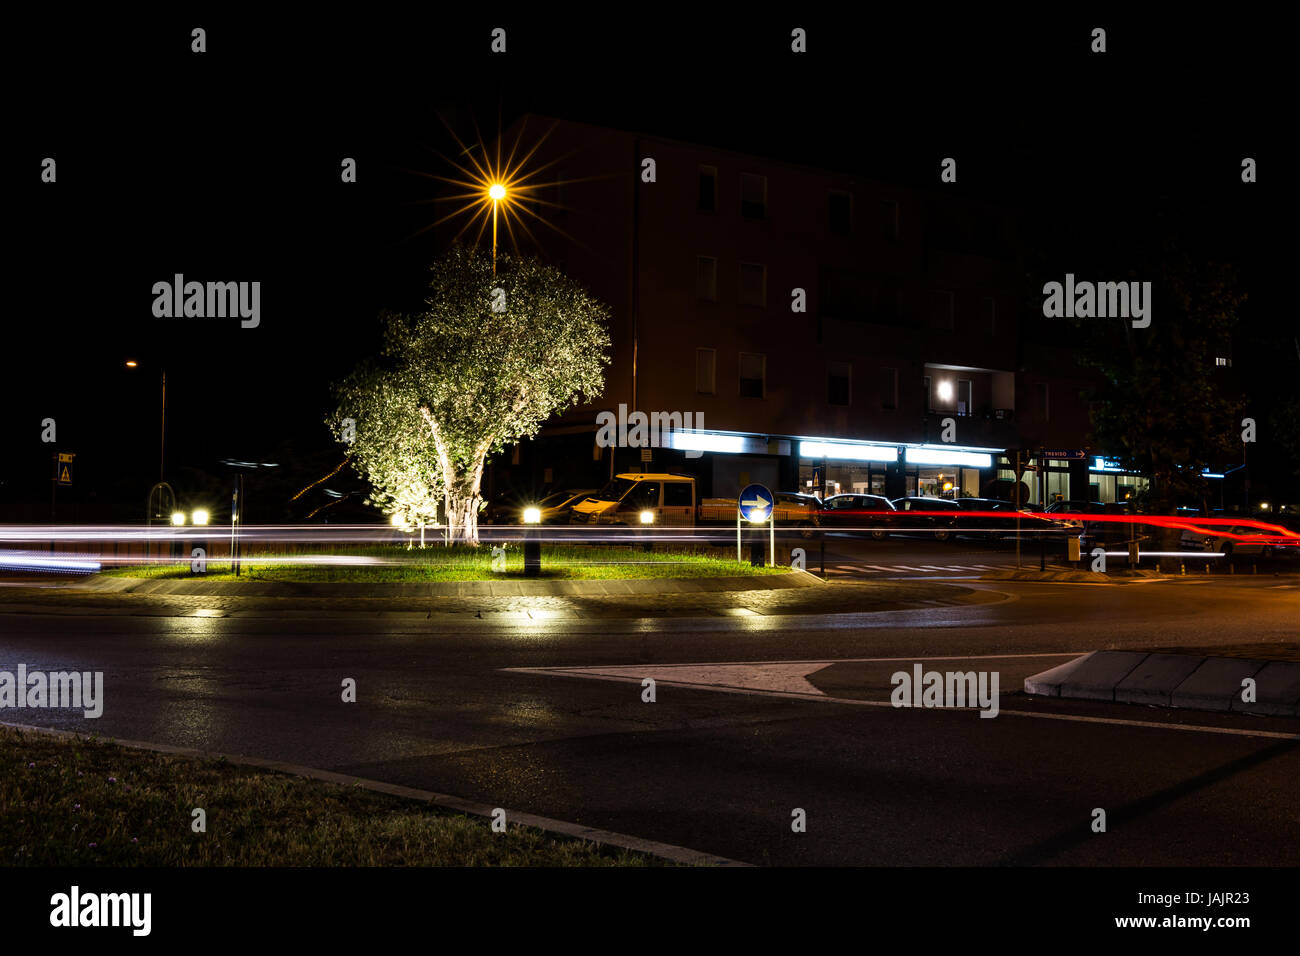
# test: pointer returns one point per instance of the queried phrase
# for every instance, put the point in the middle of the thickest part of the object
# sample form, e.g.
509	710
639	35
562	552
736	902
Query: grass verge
85	801
437	563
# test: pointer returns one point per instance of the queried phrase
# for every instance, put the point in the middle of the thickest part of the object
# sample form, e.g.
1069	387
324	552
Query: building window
1041	405
753	196
929	394
1223	362
889	388
889	219
753	284
706	278
990	308
706	365
753	375
942	310
963	396
708	189
841	213
839	380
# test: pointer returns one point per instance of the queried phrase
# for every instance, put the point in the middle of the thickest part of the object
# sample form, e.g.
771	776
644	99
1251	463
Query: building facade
825	332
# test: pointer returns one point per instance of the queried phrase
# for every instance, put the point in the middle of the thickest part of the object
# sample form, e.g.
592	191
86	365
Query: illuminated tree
388	444
488	360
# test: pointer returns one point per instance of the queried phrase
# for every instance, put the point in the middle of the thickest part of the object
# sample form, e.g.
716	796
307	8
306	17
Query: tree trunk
462	487
462	518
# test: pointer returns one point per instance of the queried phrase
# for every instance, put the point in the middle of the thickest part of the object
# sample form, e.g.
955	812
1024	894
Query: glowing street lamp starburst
493	186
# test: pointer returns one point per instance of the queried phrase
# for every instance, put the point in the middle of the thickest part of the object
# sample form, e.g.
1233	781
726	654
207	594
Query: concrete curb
471	589
1071	577
666	851
1174	680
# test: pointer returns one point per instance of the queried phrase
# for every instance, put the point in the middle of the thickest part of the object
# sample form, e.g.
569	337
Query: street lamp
178	519
532	543
162	419
496	192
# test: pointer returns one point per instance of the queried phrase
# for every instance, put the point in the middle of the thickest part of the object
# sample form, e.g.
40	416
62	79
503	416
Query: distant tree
1164	410
488	360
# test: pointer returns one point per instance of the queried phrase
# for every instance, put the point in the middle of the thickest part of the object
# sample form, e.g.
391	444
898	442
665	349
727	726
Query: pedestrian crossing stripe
880	568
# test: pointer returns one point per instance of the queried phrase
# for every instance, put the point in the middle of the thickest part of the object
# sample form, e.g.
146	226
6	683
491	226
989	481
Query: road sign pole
1018	473
737	532
771	528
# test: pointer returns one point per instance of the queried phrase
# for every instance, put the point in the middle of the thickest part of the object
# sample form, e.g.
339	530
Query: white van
669	501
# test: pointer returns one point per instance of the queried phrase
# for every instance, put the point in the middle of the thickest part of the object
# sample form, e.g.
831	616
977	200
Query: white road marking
774	672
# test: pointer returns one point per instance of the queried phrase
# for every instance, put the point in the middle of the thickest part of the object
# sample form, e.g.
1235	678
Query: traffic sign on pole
756	503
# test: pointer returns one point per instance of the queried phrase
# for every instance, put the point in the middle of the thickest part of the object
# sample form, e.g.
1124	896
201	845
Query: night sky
225	166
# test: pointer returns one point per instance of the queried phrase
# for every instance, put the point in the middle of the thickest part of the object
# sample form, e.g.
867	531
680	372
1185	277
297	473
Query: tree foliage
487	361
1165	411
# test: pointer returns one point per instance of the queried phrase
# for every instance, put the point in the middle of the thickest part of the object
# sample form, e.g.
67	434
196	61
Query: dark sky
225	166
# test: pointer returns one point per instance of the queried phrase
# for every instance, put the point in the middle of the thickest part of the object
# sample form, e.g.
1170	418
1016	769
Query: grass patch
88	802
438	563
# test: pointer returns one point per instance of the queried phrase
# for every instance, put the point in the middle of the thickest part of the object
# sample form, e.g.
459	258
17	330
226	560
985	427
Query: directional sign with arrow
756	503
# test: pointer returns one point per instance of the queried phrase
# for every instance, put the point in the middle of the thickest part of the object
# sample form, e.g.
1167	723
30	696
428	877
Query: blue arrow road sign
756	503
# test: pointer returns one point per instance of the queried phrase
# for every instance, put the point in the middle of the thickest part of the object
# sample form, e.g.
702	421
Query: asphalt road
463	710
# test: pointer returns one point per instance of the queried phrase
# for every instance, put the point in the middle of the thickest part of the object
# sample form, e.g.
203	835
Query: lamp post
162	420
496	192
532	542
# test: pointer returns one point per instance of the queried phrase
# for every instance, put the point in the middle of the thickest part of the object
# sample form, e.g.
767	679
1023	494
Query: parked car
1238	539
802	511
1003	522
920	514
554	508
861	512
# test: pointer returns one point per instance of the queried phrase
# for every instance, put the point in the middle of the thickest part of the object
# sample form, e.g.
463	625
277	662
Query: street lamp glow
131	363
647	517
532	516
178	518
497	192
200	516
945	391
397	521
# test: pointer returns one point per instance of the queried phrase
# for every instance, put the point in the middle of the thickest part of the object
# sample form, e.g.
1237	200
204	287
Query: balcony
983	428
